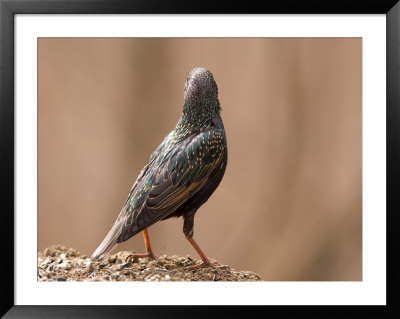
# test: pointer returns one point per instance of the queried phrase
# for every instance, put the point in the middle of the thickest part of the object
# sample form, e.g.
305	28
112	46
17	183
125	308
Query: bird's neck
191	122
197	115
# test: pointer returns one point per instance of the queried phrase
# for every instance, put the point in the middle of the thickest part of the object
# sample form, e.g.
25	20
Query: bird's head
200	96
200	84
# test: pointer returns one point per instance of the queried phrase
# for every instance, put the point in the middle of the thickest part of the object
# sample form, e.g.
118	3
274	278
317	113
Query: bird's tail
109	242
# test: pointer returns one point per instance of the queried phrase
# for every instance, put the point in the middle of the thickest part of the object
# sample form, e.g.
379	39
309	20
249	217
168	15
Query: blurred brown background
289	206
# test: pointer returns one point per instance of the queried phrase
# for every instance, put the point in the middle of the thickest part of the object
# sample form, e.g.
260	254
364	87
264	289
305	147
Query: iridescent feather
183	171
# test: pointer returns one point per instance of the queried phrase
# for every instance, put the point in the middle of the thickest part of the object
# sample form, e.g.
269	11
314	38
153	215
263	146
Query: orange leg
149	252
206	261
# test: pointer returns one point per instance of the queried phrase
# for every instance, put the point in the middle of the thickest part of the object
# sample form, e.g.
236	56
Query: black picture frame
8	10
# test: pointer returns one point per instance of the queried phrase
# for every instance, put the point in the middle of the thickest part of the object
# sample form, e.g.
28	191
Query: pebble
112	259
169	266
42	273
61	278
64	265
46	261
152	277
160	270
60	264
122	266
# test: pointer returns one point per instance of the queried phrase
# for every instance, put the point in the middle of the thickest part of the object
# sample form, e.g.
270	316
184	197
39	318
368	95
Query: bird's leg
188	231
206	262
149	252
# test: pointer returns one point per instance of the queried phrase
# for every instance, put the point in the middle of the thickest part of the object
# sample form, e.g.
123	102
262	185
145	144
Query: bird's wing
114	235
183	175
152	158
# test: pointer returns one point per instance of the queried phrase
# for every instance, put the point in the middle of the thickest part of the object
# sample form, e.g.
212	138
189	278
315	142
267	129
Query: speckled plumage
183	171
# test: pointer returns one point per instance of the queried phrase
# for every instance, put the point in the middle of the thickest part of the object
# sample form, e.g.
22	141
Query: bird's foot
207	263
134	256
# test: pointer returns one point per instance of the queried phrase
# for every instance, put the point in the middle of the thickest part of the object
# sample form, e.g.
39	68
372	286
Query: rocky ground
58	263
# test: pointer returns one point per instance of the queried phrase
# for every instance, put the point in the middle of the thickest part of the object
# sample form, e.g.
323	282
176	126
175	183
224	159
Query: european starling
181	174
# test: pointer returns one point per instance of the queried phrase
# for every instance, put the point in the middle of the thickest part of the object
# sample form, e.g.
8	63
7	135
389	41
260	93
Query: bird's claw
135	256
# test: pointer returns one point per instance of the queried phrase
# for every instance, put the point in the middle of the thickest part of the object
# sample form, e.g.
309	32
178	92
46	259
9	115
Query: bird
180	175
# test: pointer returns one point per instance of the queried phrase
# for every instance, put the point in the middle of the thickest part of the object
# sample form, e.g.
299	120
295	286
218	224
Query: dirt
58	263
